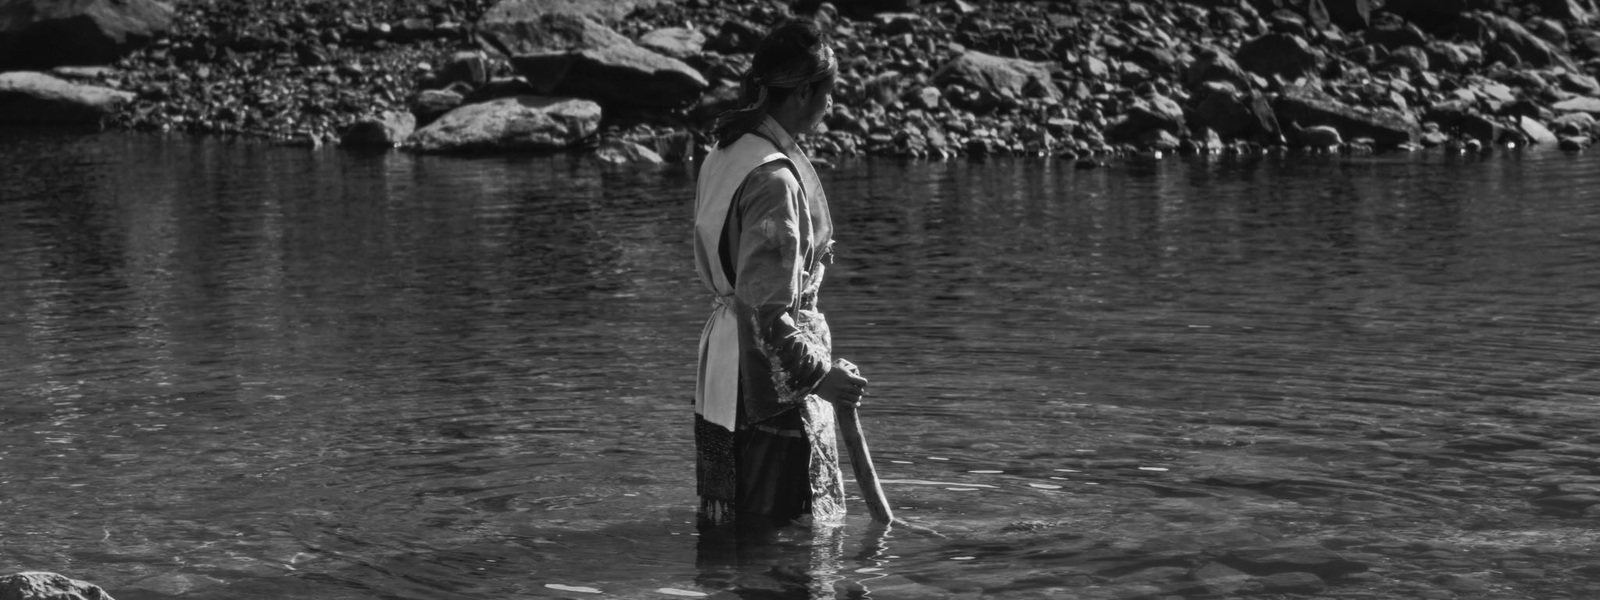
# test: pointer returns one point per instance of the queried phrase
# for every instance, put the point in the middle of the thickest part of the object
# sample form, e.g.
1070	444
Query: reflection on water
243	371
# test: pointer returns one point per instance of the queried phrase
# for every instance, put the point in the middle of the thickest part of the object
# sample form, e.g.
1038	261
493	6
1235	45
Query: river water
232	370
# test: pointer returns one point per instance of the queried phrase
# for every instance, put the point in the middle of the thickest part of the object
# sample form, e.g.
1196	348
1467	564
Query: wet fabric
774	470
763	236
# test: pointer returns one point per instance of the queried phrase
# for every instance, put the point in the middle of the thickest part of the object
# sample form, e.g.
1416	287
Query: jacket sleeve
770	277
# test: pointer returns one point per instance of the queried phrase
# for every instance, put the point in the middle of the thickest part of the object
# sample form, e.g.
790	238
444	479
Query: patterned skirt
772	472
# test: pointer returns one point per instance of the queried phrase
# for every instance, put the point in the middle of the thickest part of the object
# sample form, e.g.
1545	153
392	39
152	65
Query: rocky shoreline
641	80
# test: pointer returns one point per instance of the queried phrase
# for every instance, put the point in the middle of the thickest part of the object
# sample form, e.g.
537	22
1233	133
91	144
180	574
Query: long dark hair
797	46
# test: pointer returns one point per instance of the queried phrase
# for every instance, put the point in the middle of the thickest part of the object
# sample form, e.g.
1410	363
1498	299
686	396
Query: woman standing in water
764	418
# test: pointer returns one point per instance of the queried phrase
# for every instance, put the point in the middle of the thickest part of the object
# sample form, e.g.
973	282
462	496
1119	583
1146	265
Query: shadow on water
243	371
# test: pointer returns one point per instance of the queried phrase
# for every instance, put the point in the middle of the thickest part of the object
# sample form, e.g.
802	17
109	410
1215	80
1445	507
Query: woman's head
793	69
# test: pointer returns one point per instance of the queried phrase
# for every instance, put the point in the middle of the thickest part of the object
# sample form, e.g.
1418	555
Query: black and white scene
799	300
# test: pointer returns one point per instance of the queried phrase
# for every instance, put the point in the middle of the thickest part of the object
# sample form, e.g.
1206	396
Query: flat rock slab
1584	105
677	42
29	98
520	123
1310	107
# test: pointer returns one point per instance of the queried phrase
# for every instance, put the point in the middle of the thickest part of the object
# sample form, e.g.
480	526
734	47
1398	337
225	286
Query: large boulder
1014	77
1308	106
1280	54
521	123
29	98
623	75
567	55
39	585
40	34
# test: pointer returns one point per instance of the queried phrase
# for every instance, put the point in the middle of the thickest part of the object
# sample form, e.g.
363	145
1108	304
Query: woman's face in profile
818	103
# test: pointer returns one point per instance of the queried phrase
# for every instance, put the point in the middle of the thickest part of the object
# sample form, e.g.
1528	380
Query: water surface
230	370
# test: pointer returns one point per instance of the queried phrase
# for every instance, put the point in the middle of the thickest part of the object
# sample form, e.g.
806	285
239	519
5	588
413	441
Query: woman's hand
842	386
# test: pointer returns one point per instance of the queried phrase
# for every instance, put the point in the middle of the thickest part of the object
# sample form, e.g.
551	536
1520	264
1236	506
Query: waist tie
716	393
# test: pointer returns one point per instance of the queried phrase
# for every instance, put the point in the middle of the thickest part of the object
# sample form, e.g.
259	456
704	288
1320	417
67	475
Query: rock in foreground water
39	585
